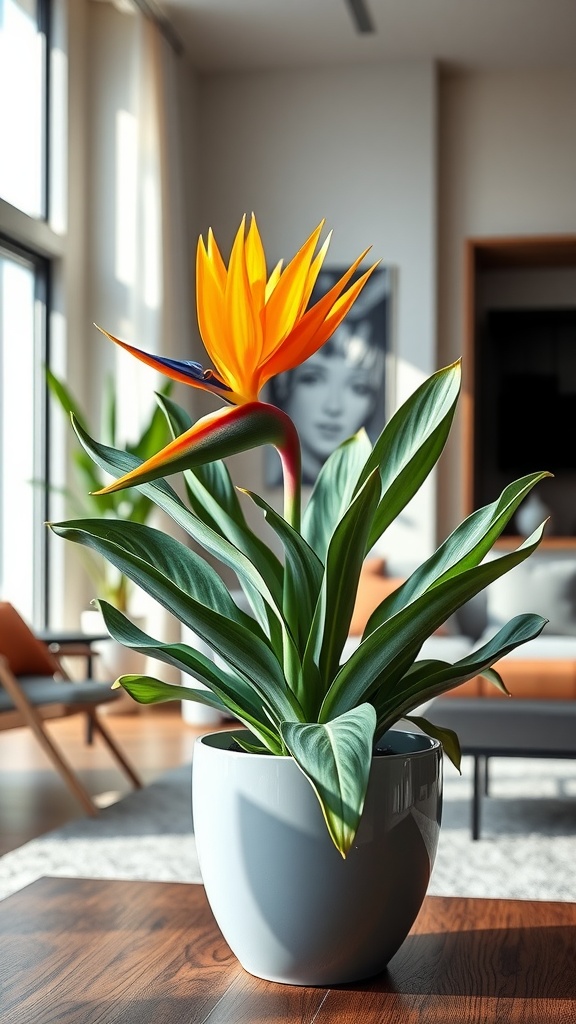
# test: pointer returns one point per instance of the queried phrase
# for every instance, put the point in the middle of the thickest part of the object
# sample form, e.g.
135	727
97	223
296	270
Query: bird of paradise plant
279	669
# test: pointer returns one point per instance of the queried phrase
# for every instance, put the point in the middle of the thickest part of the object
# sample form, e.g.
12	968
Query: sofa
544	668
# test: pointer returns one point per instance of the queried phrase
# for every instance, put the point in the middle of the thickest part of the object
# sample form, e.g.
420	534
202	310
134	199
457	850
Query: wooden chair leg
99	726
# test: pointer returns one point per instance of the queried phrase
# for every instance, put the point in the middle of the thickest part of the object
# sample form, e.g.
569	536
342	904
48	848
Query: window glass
23	105
22	504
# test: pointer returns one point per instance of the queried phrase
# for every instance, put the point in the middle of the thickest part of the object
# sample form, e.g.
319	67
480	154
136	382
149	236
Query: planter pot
289	906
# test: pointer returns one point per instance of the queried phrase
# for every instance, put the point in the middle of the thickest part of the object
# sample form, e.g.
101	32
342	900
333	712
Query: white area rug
527	849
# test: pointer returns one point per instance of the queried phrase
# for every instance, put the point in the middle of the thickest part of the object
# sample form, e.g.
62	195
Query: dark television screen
536	411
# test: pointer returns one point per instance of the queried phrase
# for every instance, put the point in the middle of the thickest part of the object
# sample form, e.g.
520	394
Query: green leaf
411	443
303	572
338	594
463	549
223	520
496	679
383	657
113	461
164	572
229	689
333	491
447	737
148	690
425	680
336	758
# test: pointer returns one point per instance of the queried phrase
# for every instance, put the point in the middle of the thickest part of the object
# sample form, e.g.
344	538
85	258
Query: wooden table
77	951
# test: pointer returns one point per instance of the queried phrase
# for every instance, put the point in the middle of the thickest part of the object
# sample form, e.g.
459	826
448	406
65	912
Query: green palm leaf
385	655
153	562
336	758
333	491
410	445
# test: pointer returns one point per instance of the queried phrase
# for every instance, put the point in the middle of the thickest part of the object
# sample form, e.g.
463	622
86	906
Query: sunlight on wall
126	179
58	205
137	267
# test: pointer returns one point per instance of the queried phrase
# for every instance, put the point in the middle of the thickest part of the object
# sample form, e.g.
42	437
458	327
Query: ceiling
222	35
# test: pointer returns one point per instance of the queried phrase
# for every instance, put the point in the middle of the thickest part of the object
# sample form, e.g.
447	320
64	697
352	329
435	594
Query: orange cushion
373	587
25	654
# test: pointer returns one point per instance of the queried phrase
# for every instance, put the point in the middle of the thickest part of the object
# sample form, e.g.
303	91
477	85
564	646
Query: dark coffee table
505	727
80	951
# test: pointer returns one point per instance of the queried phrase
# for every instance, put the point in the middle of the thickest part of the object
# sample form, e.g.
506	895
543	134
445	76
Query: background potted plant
317	824
109	583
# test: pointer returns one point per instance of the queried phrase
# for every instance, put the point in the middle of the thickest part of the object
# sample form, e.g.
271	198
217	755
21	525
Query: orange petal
211	313
273	279
313	275
256	270
244	330
283	306
219	267
308	335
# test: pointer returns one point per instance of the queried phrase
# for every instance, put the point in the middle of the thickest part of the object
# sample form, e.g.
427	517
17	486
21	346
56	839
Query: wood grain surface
81	951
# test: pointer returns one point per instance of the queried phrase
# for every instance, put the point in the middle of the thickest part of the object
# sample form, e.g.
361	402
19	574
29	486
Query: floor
33	797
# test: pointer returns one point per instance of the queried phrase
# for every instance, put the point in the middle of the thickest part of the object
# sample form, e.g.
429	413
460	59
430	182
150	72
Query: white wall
356	145
507	166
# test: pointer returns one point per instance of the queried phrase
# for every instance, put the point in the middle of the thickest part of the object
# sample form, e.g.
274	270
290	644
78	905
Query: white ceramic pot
289	906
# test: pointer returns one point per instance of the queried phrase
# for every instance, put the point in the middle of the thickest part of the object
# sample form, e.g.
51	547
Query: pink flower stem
291	457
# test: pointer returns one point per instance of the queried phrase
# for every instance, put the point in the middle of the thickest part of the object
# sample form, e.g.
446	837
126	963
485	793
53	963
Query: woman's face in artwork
331	396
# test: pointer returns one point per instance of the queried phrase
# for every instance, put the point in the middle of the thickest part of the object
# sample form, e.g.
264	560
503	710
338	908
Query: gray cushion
42	690
546	586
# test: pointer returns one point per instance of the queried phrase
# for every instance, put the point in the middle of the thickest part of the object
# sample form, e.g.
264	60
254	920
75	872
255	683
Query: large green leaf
303	572
229	687
333	491
336	758
463	549
338	594
385	655
214	499
114	461
153	564
148	690
411	443
432	678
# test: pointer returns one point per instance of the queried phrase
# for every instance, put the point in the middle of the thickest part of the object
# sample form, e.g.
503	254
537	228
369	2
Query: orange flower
253	326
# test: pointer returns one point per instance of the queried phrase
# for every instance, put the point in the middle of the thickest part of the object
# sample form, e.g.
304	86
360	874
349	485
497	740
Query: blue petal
192	369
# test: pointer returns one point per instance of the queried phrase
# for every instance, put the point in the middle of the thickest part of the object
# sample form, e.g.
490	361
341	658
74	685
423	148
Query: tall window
23	303
23	105
22	440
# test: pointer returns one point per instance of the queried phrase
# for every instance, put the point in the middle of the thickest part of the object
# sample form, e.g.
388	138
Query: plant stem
291	457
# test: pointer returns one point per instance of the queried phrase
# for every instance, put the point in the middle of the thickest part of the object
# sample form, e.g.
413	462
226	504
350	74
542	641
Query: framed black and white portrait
343	386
